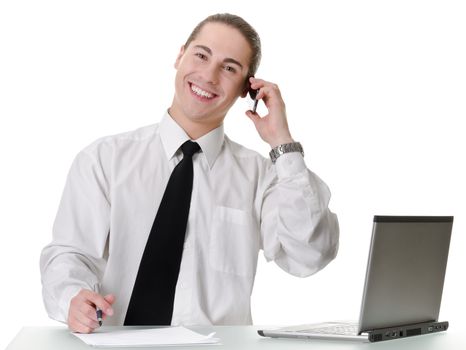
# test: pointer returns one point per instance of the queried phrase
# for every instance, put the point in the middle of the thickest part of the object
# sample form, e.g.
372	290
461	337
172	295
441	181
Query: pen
97	309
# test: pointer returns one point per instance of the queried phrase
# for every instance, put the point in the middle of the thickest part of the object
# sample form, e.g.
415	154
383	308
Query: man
239	203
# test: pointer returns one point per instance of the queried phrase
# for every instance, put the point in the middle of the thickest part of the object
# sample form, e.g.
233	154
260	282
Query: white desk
240	338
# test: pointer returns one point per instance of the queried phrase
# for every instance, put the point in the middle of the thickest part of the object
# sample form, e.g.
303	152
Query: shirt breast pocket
234	242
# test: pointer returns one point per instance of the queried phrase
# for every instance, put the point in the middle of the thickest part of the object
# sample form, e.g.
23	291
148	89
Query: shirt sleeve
298	231
76	257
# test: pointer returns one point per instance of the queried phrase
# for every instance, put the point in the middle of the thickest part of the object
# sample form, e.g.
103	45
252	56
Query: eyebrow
227	60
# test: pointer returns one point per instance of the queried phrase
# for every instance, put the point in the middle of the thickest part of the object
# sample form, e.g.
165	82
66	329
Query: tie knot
189	148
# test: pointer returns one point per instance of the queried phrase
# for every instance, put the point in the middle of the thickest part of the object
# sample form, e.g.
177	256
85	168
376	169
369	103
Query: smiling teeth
198	91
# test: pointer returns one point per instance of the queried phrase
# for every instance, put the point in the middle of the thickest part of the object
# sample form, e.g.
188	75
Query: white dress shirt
240	203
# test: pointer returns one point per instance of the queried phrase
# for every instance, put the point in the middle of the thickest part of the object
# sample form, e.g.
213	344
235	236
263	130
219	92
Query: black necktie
153	294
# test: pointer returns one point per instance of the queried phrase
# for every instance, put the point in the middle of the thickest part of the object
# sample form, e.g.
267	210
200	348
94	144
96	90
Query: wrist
279	150
281	141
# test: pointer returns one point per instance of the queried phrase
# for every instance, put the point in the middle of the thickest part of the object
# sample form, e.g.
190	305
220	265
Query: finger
81	315
110	298
261	84
78	327
87	316
98	301
77	322
270	90
261	94
257	83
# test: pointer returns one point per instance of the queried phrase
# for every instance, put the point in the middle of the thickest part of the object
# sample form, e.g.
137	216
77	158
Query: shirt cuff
289	164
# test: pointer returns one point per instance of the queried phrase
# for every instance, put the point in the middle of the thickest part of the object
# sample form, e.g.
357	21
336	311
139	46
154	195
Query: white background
375	91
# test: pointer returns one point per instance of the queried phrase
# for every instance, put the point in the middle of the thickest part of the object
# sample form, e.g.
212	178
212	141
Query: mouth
200	93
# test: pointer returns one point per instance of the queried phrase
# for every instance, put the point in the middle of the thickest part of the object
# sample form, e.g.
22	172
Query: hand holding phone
271	125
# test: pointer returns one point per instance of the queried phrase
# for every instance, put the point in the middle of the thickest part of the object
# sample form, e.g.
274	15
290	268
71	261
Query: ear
247	86
178	58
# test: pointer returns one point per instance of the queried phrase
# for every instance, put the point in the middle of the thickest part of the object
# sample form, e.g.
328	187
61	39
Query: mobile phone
253	94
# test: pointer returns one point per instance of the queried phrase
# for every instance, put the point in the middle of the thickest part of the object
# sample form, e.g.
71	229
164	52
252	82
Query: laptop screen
406	270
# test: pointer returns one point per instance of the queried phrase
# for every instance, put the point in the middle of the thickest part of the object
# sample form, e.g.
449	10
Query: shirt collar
173	136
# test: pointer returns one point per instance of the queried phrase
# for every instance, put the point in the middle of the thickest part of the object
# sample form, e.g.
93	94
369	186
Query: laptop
403	285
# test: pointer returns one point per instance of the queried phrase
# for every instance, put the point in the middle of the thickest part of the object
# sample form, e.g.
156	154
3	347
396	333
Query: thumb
253	116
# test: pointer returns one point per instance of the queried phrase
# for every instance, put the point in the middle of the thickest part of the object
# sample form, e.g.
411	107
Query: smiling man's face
211	75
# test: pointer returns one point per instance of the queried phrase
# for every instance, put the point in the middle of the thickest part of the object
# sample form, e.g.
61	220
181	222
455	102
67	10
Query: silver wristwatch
285	148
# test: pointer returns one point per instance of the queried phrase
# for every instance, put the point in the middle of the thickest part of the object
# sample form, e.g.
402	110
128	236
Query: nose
210	74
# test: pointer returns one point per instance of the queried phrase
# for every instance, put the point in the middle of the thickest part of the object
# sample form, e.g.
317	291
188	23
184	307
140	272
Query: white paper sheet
165	336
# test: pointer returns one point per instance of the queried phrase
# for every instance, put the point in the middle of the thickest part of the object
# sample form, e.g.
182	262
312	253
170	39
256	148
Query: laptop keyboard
342	329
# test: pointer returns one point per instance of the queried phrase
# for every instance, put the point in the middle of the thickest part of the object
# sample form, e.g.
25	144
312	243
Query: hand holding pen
83	316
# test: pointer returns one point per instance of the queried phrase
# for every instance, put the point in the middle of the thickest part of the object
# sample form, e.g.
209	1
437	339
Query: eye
201	56
230	69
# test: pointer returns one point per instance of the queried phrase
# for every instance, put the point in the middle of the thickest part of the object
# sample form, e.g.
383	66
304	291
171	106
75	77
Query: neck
194	128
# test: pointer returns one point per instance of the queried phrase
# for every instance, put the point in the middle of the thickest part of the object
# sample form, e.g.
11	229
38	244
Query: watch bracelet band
285	148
